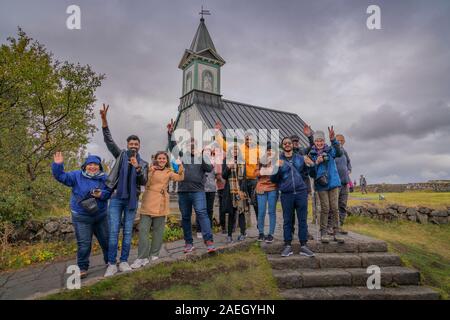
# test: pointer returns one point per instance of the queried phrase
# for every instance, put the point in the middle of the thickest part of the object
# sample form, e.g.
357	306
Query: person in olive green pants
155	208
145	249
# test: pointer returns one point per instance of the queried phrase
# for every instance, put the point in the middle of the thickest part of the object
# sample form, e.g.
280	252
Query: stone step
350	246
362	293
334	260
309	278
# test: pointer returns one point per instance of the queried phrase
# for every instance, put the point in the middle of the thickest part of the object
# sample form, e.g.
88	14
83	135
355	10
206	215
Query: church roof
238	115
202	40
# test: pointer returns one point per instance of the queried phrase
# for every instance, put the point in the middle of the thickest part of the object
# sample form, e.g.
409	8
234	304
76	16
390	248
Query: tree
45	106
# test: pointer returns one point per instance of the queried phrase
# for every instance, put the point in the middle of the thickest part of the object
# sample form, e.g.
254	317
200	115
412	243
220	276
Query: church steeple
201	63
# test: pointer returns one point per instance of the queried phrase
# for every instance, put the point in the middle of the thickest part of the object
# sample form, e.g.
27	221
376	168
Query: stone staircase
338	271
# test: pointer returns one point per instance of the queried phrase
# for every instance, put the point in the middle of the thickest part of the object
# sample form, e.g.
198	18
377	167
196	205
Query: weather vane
204	12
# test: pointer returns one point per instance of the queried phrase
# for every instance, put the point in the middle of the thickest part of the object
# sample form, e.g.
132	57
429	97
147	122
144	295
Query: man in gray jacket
344	168
191	192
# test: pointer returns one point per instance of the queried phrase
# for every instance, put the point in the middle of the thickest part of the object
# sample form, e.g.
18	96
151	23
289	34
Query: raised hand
218	125
170	126
58	158
331	133
104	111
307	130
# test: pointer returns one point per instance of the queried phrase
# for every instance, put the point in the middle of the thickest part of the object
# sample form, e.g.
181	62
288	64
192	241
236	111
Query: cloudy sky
387	91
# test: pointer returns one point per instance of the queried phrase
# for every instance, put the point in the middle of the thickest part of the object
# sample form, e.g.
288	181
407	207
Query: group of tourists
243	176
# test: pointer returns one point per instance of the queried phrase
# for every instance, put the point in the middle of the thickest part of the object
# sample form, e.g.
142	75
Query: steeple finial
204	12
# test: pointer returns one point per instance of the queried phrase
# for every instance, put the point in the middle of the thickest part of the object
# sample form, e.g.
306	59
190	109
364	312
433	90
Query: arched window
207	81
188	84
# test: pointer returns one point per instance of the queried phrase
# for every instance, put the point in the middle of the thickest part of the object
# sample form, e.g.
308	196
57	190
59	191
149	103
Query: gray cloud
388	91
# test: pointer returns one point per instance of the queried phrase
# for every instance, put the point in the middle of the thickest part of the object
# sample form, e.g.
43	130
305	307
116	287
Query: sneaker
111	270
269	239
229	239
83	274
189	247
139	263
287	251
199	235
305	251
241	237
210	246
154	258
261	237
338	238
124	267
324	237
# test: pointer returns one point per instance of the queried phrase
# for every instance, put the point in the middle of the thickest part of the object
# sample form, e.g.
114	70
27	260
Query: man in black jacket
128	174
191	193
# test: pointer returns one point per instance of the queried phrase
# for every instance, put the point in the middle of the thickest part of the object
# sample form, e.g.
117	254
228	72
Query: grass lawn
231	275
424	247
435	200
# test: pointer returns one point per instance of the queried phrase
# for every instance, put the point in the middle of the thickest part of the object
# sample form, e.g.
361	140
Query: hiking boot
83	274
111	270
188	247
269	239
139	263
241	237
229	239
287	251
210	246
124	267
305	251
324	237
261	237
338	238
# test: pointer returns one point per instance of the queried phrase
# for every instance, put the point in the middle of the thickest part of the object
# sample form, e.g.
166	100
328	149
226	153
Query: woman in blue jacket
88	204
326	181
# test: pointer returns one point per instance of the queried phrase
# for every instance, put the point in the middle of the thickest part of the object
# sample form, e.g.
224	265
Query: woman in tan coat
155	208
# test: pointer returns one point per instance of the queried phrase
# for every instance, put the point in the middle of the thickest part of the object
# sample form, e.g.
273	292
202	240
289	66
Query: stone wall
396	212
425	186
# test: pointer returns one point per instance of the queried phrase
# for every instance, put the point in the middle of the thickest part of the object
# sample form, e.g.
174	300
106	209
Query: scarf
240	198
125	190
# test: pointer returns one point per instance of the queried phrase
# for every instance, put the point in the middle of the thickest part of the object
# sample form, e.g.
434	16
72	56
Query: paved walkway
38	281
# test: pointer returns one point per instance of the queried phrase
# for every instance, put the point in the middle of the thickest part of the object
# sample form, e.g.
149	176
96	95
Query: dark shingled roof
202	40
237	115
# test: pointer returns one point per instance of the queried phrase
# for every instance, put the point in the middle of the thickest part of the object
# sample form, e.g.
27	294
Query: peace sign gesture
103	113
170	126
331	133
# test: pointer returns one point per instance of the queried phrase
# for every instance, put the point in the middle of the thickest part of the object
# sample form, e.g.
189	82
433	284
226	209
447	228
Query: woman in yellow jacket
155	208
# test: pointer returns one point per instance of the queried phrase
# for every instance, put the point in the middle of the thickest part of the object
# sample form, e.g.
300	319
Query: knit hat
319	135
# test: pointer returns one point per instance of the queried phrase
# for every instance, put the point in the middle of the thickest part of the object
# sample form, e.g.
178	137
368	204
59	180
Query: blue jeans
85	227
299	203
187	200
118	212
270	197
